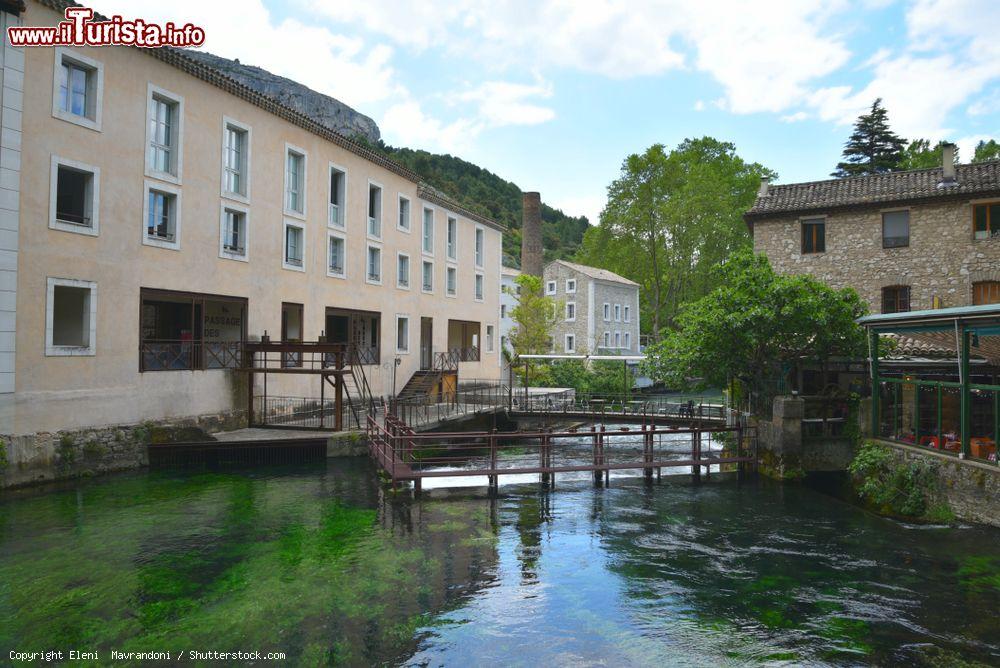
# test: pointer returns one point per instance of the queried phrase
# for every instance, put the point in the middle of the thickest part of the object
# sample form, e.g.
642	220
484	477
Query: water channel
318	561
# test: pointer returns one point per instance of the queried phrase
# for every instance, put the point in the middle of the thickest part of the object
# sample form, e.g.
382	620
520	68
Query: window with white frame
618	312
295	241
479	287
162	216
233	232
570	343
427	231
73	196
404	214
78	89
570	286
338	194
402	334
607	312
336	256
489	338
570	311
295	182
628	340
427	274
235	159
480	242
607	339
70	317
628	314
165	123
618	340
402	270
374	210
452	238
374	264
550	288
452	281
503	310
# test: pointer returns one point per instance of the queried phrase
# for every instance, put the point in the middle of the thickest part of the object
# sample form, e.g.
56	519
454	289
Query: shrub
4	462
891	486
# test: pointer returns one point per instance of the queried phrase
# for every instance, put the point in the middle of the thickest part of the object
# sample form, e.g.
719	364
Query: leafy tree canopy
754	324
670	216
919	154
873	147
534	317
986	150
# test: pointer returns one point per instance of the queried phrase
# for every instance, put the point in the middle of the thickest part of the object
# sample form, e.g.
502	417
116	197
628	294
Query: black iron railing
177	355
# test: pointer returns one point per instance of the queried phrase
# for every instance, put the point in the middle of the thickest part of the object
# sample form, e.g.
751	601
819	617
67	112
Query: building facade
904	241
155	213
597	310
509	292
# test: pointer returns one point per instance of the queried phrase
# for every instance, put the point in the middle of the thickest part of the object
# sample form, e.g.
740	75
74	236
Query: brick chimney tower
531	235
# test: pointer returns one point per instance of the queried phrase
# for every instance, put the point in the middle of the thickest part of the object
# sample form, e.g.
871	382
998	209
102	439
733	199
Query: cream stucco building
155	213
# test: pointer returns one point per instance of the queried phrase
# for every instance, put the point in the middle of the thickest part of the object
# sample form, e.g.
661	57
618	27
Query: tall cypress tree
873	147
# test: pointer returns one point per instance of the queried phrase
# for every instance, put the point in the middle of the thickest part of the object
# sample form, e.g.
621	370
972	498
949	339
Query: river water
318	562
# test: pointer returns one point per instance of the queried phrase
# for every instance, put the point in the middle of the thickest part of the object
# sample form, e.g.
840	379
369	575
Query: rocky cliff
326	110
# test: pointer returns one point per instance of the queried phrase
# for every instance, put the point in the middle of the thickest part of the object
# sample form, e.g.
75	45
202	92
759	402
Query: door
426	343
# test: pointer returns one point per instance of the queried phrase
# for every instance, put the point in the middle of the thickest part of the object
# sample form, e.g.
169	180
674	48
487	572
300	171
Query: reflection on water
320	563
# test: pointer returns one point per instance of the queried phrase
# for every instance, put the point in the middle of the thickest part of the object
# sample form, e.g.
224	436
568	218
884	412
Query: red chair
930	441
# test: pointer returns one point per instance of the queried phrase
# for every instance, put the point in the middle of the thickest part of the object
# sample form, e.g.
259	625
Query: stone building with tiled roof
904	240
598	310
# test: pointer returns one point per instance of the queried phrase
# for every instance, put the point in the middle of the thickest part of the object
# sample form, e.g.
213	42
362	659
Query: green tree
986	150
873	147
919	154
671	216
756	324
534	317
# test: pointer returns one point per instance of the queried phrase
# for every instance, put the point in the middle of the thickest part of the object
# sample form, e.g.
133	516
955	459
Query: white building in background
509	292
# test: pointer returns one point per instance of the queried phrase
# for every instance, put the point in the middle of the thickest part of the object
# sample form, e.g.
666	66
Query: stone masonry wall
59	455
942	259
590	339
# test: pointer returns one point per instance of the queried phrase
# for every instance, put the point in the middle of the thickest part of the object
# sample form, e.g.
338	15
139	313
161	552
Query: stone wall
57	455
941	260
785	453
971	489
589	325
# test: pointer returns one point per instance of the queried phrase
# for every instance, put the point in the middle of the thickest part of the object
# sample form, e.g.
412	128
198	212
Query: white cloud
699	105
796	117
407	124
505	103
583	205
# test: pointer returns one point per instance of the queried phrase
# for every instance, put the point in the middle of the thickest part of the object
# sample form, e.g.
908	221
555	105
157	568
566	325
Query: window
78	89
503	310
986	292
480	240
550	288
233	233
162	216
402	271
570	286
628	315
73	196
336	256
235	160
618	340
570	311
291	332
452	238
295	182
607	312
986	220
403	223
618	312
374	210
70	317
183	331
402	334
451	281
607	339
374	274
896	299
294	246
338	193
628	340
895	229
479	287
427	231
814	235
570	343
427	281
489	338
164	127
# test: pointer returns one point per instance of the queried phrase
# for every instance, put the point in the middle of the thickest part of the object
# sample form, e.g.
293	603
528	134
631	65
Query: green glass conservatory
936	379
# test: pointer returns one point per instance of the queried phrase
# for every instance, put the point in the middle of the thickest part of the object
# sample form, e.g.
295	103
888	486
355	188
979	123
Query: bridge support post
596	438
647	452
543	454
696	455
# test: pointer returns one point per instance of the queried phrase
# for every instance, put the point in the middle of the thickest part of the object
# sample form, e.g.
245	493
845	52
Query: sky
553	95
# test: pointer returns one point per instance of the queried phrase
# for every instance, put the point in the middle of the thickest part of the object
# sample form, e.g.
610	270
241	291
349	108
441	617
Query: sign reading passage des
223	321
